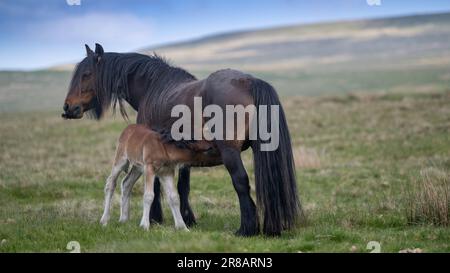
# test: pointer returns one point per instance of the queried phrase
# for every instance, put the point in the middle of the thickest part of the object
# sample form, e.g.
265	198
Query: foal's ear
99	52
89	51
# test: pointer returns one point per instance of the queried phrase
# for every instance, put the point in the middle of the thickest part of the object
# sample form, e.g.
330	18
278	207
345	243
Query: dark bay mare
153	87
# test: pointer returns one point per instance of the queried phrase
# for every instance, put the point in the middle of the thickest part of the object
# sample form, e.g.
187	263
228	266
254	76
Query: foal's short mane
115	69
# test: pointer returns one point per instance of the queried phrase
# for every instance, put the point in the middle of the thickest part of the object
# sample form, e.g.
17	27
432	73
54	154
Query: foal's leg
110	187
127	185
149	177
183	190
173	201
233	162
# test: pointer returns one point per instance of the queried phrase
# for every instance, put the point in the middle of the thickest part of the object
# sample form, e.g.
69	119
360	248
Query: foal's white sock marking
109	191
148	197
174	201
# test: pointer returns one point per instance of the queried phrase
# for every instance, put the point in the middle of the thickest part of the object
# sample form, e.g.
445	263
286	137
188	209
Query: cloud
24	8
115	30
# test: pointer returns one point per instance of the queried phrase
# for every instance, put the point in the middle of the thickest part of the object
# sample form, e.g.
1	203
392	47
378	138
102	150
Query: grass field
357	156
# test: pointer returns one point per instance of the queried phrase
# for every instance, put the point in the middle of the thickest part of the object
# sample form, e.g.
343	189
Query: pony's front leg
149	195
174	201
109	191
127	186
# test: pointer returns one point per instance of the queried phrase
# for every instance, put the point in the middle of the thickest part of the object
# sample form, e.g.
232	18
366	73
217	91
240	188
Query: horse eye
84	91
86	75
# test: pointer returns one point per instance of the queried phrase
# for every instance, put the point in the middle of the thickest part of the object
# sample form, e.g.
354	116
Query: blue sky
40	33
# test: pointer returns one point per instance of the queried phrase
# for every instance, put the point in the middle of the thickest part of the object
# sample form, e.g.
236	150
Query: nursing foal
144	150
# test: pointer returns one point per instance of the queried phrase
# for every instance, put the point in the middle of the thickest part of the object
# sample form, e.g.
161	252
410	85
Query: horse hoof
103	222
156	218
272	233
246	233
145	225
182	228
189	220
156	222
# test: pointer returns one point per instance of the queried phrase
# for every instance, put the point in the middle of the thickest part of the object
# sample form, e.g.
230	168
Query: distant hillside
322	58
411	40
402	54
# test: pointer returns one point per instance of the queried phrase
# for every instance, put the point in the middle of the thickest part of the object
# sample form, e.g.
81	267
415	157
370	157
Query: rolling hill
402	54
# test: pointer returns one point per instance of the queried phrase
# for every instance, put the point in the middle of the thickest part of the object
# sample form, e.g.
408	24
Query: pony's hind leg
233	162
148	195
127	185
174	201
110	186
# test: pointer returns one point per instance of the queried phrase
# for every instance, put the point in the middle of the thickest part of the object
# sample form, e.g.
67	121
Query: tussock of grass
306	158
429	200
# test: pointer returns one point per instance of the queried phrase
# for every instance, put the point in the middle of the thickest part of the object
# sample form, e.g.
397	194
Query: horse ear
99	49
89	51
99	52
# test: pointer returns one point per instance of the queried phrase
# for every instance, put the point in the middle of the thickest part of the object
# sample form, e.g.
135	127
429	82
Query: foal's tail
276	187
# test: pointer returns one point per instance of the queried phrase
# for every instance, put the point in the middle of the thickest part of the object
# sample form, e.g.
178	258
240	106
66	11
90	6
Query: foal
144	150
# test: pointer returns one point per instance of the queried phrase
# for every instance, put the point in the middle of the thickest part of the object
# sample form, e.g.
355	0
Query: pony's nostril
77	109
65	107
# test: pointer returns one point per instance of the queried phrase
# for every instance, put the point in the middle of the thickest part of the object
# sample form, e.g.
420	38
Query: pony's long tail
276	187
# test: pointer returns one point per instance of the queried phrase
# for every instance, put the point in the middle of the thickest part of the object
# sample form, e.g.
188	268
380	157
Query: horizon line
232	32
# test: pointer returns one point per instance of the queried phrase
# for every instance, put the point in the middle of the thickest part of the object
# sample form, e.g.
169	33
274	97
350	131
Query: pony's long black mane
113	74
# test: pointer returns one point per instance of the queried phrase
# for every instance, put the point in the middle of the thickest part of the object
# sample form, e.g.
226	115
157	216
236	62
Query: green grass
32	91
367	151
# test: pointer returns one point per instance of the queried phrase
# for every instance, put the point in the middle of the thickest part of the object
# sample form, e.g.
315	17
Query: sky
36	34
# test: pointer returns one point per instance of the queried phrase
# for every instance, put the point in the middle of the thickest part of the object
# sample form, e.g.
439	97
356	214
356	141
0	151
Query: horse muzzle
72	112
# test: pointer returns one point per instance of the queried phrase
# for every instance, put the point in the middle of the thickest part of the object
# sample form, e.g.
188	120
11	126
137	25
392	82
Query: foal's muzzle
72	112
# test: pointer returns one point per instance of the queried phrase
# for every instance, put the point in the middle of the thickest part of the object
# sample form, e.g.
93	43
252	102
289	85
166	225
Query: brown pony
145	151
153	88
